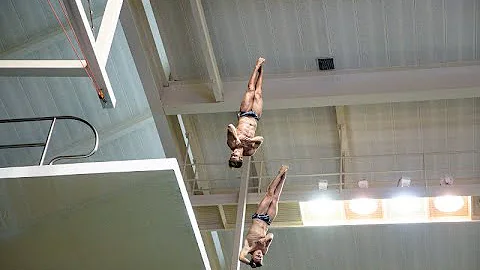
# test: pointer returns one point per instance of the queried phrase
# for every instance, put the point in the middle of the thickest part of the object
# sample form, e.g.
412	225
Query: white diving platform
105	215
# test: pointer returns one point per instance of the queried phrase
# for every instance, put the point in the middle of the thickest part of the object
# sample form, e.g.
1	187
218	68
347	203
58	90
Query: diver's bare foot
260	61
283	169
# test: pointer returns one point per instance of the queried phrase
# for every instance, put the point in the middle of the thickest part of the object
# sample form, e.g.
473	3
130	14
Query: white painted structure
159	174
318	89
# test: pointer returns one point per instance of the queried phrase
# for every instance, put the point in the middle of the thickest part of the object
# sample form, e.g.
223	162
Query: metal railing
49	136
423	169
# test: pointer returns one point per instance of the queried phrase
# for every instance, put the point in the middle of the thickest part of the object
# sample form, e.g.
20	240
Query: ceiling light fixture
363	206
448	204
404	182
406	204
323	185
363	183
447	180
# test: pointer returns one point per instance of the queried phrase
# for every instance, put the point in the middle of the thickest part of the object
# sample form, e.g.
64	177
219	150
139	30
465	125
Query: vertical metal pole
424	167
45	148
90	10
260	178
185	164
242	205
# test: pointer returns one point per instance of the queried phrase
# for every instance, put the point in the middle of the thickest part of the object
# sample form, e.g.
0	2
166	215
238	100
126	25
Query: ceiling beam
148	65
43	68
81	26
207	50
346	194
334	88
142	45
156	9
222	216
106	32
160	44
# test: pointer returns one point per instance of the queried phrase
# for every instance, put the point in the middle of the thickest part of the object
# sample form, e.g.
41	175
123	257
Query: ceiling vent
325	63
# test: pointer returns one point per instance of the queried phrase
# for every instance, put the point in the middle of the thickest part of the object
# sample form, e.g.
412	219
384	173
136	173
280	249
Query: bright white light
322	211
448	204
406	204
322	206
363	206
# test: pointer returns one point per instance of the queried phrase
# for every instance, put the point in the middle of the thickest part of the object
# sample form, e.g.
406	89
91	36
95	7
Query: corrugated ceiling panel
225	27
13	99
303	134
23	21
178	28
359	34
210	132
66	95
141	143
401	128
13	32
300	136
370	24
395	134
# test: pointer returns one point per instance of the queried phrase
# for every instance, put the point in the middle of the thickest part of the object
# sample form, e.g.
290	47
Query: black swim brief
249	114
262	217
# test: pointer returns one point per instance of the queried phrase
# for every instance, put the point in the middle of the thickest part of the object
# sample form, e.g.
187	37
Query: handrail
418	154
47	141
420	171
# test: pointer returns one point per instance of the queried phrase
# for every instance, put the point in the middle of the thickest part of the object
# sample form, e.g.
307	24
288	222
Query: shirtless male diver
241	139
257	240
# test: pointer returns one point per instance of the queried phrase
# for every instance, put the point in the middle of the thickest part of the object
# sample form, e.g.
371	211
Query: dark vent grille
325	63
